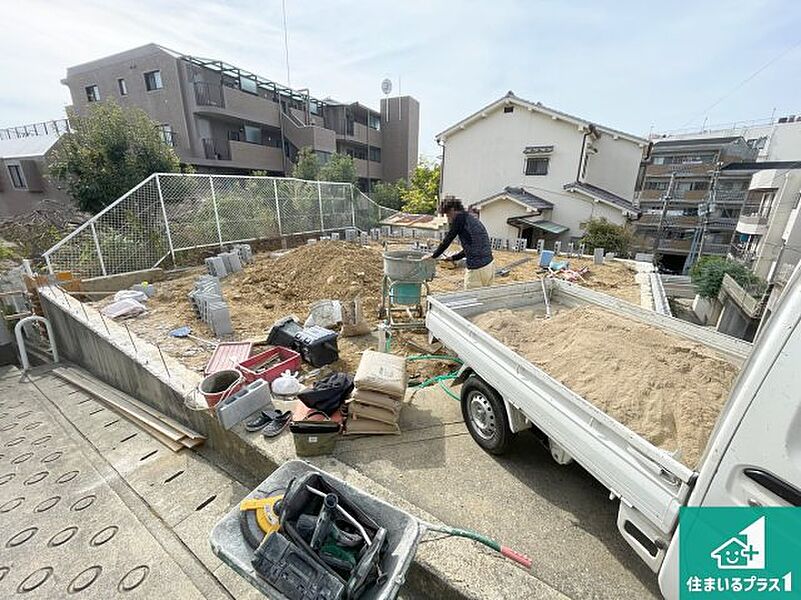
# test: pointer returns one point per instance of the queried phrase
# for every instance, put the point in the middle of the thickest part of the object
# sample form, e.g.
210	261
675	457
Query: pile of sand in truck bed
667	389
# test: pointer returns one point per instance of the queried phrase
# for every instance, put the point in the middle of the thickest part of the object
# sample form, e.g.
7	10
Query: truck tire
484	413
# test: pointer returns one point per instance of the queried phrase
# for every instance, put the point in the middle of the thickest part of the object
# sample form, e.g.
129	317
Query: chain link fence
170	213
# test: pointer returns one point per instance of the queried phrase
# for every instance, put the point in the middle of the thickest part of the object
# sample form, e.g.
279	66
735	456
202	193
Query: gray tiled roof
522	196
601	194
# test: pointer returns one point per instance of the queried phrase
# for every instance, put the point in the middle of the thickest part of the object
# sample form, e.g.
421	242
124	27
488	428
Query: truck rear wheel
484	414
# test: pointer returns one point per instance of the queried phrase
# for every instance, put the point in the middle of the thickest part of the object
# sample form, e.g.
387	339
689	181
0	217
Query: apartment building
24	182
223	119
533	172
690	196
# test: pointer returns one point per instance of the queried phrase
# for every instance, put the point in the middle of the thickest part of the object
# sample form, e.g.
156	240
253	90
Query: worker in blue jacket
473	237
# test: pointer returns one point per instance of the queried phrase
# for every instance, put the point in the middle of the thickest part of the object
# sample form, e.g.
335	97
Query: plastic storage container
283	332
403	534
279	360
317	345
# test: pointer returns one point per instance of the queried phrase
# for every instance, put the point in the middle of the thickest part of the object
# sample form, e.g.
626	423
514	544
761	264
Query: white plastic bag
325	313
287	384
123	308
137	295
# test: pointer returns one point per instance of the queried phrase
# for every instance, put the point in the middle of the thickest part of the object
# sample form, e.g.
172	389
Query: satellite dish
386	87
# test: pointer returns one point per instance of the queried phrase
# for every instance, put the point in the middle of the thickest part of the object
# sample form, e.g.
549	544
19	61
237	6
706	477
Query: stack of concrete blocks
232	262
364	238
519	245
209	306
244	251
571	249
335	236
581	249
557	248
311	241
540	246
351	235
216	267
386	231
375	233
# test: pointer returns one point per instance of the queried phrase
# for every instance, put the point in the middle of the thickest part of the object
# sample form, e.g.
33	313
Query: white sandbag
123	308
381	372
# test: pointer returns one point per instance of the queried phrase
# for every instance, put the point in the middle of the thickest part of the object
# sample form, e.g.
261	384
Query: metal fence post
166	222
352	208
97	247
277	208
216	214
49	265
320	200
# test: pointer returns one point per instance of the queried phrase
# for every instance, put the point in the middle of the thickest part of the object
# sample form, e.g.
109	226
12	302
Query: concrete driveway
558	515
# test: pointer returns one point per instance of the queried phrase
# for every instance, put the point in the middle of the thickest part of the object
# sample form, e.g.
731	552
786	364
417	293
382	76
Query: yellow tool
259	518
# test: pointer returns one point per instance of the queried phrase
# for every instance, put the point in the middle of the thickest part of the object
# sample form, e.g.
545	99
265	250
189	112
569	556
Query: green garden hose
505	551
438	379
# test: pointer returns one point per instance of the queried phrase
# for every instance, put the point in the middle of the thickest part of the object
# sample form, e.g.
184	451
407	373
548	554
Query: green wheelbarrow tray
403	533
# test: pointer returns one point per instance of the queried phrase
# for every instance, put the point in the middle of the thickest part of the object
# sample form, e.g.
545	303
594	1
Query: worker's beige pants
476	278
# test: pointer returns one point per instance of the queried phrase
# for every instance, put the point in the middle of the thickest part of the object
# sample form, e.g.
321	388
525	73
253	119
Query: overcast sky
629	65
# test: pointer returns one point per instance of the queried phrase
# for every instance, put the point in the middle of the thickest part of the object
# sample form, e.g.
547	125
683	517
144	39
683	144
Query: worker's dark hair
450	203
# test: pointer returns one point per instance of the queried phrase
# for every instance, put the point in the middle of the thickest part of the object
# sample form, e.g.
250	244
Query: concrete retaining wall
137	369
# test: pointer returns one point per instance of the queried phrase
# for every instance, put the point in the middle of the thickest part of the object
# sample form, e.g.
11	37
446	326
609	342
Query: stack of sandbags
379	386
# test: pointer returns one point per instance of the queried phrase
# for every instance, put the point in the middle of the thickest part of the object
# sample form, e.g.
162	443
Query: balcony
246	155
675	246
752	224
362	166
722	222
220	100
740	253
716	249
670	221
685	169
362	134
748	298
214	149
730	196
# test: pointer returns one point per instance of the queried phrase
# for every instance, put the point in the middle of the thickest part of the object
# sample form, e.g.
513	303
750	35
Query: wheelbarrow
404	533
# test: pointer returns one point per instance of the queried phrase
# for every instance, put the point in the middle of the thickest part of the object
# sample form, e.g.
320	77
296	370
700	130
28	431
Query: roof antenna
286	45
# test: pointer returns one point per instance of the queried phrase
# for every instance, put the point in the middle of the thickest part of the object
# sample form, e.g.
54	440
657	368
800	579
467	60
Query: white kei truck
753	457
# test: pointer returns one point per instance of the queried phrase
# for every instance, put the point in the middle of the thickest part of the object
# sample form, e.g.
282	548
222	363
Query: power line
744	81
286	45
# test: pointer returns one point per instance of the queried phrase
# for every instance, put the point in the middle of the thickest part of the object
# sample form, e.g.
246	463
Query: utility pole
665	201
697	248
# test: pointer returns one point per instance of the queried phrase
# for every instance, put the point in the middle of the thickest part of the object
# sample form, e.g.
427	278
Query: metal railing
170	213
54	127
209	94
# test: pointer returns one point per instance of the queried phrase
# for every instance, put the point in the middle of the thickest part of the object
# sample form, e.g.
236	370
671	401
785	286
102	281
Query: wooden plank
176	425
120	405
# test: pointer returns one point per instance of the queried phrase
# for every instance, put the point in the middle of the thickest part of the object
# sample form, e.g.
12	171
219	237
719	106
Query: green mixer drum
405	293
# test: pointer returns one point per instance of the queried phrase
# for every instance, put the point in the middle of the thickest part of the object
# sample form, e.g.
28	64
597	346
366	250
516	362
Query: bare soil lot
271	288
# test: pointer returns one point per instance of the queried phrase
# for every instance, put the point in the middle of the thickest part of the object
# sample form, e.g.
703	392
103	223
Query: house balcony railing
740	253
215	149
716	248
730	196
209	94
54	127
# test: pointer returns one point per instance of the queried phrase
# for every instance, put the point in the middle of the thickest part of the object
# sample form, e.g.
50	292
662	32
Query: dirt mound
667	389
325	270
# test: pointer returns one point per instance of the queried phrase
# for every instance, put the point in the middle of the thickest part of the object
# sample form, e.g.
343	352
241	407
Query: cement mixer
405	286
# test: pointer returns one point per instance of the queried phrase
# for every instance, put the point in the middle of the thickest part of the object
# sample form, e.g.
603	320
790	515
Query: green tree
339	168
603	234
388	194
307	165
422	194
708	271
109	151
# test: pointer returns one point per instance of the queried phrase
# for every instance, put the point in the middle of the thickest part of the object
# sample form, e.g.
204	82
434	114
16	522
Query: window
374	121
252	134
167	134
653	184
122	87
537	166
248	85
153	81
17	180
508	109
92	93
375	154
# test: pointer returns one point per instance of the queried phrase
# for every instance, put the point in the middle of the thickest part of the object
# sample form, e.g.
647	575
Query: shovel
186	332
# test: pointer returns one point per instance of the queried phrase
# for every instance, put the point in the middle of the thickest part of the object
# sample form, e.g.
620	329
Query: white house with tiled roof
582	169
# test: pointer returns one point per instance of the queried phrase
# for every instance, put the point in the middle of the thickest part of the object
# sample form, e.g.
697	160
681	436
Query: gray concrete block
253	397
216	266
598	256
219	319
231	260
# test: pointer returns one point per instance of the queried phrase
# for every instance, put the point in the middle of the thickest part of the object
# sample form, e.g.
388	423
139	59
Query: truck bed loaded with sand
629	394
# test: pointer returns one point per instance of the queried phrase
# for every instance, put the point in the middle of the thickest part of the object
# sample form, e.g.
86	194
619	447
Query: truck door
754	455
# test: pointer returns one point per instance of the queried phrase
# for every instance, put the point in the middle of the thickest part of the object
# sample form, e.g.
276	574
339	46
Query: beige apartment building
223	119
